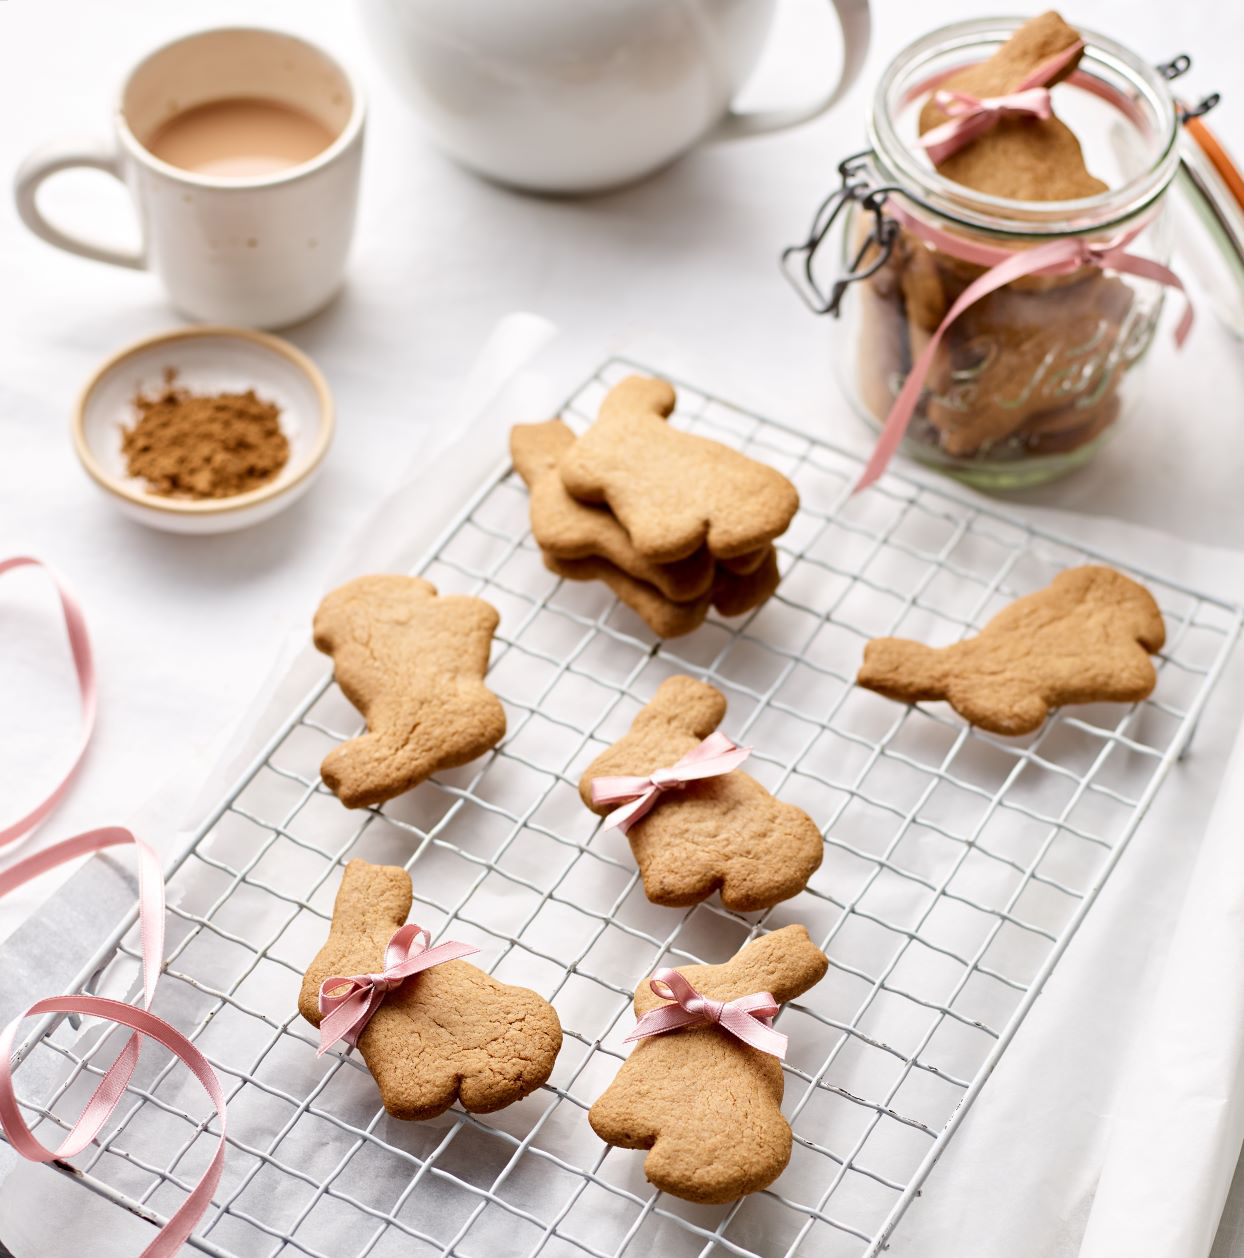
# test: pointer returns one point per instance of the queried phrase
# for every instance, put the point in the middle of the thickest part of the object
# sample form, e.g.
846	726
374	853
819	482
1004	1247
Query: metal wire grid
928	824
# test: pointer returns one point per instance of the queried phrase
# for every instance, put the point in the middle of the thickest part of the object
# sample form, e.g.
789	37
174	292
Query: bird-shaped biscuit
412	662
723	832
1086	637
449	1033
706	1105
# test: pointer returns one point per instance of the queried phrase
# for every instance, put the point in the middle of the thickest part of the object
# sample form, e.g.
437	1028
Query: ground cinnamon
189	445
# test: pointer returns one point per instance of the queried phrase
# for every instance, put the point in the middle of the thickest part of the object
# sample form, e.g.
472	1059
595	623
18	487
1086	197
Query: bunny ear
535	448
371	898
785	962
685	704
638	394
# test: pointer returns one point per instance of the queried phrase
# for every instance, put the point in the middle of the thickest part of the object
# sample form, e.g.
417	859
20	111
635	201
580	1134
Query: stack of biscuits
673	523
1033	366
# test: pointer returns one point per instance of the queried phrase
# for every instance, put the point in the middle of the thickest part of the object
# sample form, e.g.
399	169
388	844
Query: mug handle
856	23
60	155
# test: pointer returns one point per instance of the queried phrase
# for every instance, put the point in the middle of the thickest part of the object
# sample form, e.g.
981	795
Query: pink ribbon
748	1018
80	647
716	755
970	116
1057	257
141	1021
348	1002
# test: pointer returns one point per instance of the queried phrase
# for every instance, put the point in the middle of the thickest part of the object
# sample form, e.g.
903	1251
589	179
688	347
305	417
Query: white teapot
573	96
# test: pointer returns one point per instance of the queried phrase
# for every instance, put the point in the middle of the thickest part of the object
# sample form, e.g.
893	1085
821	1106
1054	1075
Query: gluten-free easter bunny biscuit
674	492
732	593
707	1106
724	832
1022	157
1086	637
413	663
566	528
448	1033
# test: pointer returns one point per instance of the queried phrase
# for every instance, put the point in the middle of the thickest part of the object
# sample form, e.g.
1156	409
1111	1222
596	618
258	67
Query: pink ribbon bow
970	116
748	1018
715	756
348	1002
1057	257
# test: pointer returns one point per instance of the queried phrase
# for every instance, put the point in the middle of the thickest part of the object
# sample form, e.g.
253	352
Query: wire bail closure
797	261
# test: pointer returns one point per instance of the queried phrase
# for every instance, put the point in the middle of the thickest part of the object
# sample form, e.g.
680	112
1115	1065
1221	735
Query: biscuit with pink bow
702	1089
695	821
432	1028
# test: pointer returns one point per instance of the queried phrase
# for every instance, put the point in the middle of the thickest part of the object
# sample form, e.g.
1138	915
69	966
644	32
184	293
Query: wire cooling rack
957	867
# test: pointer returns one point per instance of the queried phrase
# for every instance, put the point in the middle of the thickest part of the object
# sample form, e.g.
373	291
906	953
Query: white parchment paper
1175	1132
1020	1176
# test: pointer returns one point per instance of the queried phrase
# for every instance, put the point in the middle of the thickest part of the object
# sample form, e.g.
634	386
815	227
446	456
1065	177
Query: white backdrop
186	629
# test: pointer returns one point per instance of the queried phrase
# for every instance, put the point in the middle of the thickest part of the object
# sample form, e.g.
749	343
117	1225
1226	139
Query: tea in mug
240	137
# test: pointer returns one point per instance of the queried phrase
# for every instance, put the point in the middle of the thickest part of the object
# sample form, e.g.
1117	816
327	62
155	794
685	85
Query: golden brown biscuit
449	1033
735	593
1086	637
1014	355
1024	158
746	563
732	593
672	491
706	1105
412	662
725	832
1071	426
569	529
662	615
882	358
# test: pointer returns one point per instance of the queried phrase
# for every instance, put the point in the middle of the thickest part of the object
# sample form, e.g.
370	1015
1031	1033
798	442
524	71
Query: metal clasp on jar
798	261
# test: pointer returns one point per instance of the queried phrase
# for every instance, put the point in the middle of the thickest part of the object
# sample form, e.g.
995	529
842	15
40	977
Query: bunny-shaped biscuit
672	491
412	662
732	593
568	529
724	832
448	1033
1022	157
1085	637
1004	344
707	1105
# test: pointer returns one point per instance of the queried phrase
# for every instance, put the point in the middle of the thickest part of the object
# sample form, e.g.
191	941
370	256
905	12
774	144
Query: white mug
569	97
262	250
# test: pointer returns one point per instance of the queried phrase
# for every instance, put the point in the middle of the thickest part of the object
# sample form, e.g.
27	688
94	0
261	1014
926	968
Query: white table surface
185	629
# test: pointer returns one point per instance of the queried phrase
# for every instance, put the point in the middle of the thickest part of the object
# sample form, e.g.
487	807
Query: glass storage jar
1026	381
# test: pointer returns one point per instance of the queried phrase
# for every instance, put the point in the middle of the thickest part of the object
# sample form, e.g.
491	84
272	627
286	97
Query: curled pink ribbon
140	1020
144	1024
970	116
1057	257
80	648
715	756
748	1018
348	1002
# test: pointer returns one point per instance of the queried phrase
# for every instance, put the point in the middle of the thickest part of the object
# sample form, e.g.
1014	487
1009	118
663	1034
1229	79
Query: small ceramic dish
206	360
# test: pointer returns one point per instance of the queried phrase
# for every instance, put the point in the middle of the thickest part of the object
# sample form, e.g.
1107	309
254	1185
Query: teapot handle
856	23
